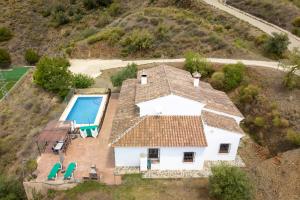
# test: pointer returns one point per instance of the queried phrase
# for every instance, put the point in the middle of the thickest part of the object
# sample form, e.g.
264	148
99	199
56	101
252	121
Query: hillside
279	12
53	28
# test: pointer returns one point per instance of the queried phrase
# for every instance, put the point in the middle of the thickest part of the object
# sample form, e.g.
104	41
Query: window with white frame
188	156
153	154
224	148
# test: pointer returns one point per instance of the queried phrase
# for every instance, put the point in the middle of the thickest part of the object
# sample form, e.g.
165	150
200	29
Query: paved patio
87	152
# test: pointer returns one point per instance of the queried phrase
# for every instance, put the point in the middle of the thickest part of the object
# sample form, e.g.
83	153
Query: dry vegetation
171	32
53	28
25	112
279	12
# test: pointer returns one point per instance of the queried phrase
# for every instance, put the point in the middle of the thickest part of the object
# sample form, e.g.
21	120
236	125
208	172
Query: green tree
195	62
292	65
228	183
53	75
31	56
82	81
276	45
5	59
234	74
5	34
129	72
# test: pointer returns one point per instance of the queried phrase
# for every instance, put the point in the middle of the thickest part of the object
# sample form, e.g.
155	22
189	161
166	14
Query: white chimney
197	77
144	78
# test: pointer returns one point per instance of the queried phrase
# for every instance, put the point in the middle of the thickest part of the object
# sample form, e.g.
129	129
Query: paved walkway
255	21
93	67
87	152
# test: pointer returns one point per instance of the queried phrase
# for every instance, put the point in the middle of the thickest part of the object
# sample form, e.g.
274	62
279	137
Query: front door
153	157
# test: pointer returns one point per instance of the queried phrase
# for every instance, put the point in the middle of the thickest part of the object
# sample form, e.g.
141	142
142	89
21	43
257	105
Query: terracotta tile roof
164	131
127	112
165	80
221	121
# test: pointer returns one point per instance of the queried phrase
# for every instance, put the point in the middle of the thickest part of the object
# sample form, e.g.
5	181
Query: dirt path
93	67
255	21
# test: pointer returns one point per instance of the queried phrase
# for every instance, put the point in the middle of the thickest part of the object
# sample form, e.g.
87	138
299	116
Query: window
153	154
224	148
188	156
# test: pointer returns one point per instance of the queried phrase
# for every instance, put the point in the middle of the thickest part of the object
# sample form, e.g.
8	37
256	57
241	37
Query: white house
168	120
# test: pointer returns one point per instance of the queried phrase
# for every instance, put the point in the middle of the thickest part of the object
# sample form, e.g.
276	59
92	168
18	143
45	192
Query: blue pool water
85	110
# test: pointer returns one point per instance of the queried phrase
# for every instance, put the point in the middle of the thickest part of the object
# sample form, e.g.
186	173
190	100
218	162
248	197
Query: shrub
53	75
92	4
296	22
31	166
129	72
5	34
162	31
114	9
234	74
217	80
259	121
60	18
228	182
293	137
296	31
280	122
195	62
31	56
291	80
5	59
138	40
82	81
248	94
111	35
11	188
276	45
261	39
103	20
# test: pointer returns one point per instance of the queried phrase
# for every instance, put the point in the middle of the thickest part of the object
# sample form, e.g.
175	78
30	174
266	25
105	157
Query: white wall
215	137
170	158
128	156
170	105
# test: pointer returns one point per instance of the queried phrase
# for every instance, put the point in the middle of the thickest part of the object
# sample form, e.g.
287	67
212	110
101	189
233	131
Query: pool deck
87	152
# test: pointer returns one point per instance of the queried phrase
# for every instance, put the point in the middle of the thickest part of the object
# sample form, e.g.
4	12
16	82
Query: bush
5	34
114	9
103	20
11	189
234	74
248	94
138	40
5	59
293	137
31	56
195	62
111	35
261	39
276	45
280	122
60	18
53	75
259	121
228	183
82	81
217	80
31	166
296	22
296	31
93	4
291	80
129	72
162	31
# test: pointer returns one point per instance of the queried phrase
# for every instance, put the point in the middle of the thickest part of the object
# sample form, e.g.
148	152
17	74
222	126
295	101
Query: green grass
11	77
135	187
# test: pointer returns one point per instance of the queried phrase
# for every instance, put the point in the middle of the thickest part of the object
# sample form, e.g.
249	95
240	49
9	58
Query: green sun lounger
55	169
70	169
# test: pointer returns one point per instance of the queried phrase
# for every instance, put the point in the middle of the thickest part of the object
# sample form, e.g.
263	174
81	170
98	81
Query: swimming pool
85	110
